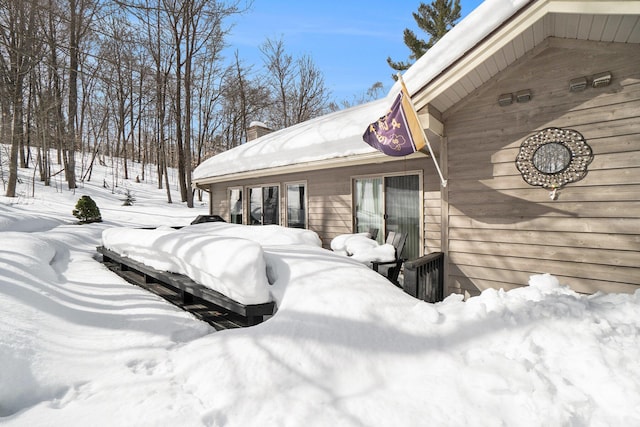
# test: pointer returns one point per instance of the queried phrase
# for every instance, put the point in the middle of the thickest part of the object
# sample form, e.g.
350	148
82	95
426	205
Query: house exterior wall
499	229
329	195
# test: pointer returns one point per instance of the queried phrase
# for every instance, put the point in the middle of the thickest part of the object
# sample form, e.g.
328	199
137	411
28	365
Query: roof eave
338	162
498	38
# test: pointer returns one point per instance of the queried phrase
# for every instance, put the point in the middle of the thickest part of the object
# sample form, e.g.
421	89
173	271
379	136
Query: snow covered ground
79	346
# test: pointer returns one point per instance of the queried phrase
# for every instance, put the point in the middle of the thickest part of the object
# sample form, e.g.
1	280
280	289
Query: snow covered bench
252	313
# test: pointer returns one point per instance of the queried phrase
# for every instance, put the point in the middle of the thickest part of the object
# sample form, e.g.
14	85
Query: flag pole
424	135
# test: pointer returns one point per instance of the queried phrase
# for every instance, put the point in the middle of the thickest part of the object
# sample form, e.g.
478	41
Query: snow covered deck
208	305
219	265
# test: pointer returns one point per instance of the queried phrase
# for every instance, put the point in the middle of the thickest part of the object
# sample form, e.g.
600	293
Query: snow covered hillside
79	346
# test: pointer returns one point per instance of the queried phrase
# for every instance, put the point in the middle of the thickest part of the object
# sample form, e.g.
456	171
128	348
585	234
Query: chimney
256	130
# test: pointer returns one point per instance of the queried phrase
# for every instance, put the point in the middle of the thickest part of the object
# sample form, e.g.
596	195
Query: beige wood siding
329	196
502	230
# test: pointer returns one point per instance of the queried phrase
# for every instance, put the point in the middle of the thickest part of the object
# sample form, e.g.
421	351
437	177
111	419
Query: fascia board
361	159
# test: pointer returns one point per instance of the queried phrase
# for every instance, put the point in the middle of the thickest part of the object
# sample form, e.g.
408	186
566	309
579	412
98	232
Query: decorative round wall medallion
554	157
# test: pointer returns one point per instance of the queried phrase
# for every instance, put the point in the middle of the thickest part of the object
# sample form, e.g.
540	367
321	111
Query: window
235	205
369	207
390	203
296	205
264	205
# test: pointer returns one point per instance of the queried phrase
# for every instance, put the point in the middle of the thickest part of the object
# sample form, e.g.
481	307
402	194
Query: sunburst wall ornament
553	158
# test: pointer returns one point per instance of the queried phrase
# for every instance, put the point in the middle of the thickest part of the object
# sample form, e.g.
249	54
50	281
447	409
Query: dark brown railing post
424	278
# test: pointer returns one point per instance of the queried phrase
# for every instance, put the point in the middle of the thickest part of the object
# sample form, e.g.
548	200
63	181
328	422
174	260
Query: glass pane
235	205
270	205
255	206
296	206
551	158
402	200
368	199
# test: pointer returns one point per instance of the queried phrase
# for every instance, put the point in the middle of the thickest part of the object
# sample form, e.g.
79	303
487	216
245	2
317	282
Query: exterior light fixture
577	85
523	95
505	99
602	79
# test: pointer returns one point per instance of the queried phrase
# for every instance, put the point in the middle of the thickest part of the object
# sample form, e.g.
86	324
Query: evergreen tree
129	199
436	19
87	211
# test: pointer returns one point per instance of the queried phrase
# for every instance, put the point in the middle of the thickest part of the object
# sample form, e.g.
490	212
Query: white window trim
285	195
247	204
243	207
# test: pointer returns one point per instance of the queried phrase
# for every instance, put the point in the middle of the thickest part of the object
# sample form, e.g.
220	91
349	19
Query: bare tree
117	71
310	95
297	86
20	44
280	78
81	14
155	85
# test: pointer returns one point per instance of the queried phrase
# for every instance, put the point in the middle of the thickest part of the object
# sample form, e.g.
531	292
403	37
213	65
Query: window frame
382	233
242	203
286	202
262	187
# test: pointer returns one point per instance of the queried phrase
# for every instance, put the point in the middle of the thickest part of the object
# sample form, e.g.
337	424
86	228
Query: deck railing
424	277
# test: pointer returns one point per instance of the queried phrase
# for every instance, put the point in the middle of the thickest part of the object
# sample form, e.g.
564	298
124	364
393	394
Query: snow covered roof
334	135
339	134
257	123
432	80
488	16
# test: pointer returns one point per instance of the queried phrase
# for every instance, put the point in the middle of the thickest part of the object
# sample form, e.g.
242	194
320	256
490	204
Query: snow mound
232	266
362	248
228	258
15	220
265	235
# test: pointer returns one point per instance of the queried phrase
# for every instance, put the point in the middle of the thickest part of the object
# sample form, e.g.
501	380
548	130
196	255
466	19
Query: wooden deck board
205	304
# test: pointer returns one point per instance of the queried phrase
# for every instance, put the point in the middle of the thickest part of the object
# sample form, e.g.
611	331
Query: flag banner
398	133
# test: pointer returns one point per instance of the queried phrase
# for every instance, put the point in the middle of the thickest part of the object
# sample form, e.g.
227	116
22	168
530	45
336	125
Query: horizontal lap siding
432	215
330	199
502	230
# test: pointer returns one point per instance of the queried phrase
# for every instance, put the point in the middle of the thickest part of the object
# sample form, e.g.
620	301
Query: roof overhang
338	162
529	27
436	91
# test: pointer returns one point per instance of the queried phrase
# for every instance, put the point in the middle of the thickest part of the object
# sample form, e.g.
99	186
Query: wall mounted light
602	79
523	95
505	99
578	84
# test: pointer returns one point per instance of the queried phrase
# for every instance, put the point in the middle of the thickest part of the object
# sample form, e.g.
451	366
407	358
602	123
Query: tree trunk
74	41
17	127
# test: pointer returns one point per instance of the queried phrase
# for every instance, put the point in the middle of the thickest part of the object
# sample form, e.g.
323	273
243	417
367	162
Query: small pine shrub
87	211
128	199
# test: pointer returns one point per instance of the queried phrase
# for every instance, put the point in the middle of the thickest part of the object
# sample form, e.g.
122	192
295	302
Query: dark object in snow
87	211
128	198
391	269
207	218
187	294
424	277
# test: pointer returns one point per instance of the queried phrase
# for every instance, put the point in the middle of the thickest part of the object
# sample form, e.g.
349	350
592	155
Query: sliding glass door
390	203
369	208
402	210
264	205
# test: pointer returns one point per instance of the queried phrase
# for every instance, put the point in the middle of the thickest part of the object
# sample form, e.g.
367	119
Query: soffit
615	21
